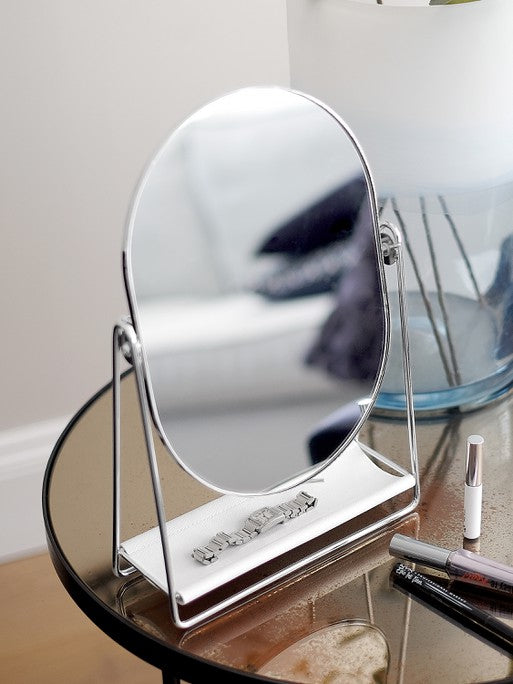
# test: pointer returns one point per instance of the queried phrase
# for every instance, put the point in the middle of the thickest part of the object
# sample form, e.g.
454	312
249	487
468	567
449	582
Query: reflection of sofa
236	350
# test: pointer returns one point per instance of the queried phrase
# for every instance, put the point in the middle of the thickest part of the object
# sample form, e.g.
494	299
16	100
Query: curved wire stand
127	344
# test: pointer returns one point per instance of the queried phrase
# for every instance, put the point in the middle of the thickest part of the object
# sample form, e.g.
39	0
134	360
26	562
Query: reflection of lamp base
334	652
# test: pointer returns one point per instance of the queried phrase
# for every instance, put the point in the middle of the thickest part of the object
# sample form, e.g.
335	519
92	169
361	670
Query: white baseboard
24	453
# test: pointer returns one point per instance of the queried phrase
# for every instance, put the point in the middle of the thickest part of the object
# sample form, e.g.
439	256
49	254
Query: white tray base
348	487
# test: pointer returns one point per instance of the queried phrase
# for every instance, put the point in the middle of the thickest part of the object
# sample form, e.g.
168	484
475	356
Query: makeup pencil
453	607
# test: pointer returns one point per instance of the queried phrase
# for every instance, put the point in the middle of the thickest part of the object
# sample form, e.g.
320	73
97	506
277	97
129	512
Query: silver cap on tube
474	461
417	551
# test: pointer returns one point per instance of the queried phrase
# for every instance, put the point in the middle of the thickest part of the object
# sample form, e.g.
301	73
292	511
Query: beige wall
89	90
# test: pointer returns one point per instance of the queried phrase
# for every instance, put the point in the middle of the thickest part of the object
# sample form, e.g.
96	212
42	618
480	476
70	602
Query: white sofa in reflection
236	350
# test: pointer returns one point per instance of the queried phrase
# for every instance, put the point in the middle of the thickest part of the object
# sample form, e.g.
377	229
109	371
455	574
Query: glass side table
343	609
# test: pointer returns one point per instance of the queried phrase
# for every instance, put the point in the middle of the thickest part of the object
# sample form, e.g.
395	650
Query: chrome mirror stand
126	344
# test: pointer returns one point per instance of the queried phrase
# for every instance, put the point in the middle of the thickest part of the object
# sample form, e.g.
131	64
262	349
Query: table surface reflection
339	622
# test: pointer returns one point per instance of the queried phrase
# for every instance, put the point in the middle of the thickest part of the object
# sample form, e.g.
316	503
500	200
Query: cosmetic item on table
453	607
458	564
473	487
495	603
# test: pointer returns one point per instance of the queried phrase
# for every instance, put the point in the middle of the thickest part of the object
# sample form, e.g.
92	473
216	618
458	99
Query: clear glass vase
426	91
459	277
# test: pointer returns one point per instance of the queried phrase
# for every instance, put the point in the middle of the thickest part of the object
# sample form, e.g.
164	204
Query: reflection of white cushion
175	325
234	349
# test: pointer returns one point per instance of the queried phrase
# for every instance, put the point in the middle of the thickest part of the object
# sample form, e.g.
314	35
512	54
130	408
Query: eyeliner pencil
453	607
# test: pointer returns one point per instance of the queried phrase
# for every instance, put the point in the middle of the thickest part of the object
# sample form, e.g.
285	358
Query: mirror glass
254	285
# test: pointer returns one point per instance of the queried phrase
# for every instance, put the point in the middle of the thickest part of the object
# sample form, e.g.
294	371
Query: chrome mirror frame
135	319
126	343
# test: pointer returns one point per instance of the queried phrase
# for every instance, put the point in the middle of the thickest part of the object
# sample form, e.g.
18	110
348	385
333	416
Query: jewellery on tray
259	521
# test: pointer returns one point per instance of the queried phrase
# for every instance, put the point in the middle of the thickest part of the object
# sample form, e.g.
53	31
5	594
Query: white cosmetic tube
473	487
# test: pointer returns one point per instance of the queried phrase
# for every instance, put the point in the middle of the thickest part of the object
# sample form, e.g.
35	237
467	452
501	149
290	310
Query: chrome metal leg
118	339
125	338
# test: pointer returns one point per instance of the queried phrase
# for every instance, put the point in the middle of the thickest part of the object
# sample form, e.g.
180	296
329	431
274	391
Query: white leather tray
351	485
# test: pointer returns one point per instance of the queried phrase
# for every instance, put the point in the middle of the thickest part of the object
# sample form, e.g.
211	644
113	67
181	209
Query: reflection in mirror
254	286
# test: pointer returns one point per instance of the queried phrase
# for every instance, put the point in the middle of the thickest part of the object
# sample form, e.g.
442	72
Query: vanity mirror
259	335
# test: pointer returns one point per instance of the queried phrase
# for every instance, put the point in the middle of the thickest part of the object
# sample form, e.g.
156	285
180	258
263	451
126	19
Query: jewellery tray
348	487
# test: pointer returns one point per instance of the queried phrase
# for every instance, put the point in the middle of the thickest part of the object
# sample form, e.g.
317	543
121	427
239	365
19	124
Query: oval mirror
255	288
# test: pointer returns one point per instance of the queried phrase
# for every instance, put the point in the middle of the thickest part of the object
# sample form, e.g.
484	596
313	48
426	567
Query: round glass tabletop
341	621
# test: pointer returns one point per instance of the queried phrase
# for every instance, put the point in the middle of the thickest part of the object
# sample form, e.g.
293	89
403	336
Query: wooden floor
45	638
